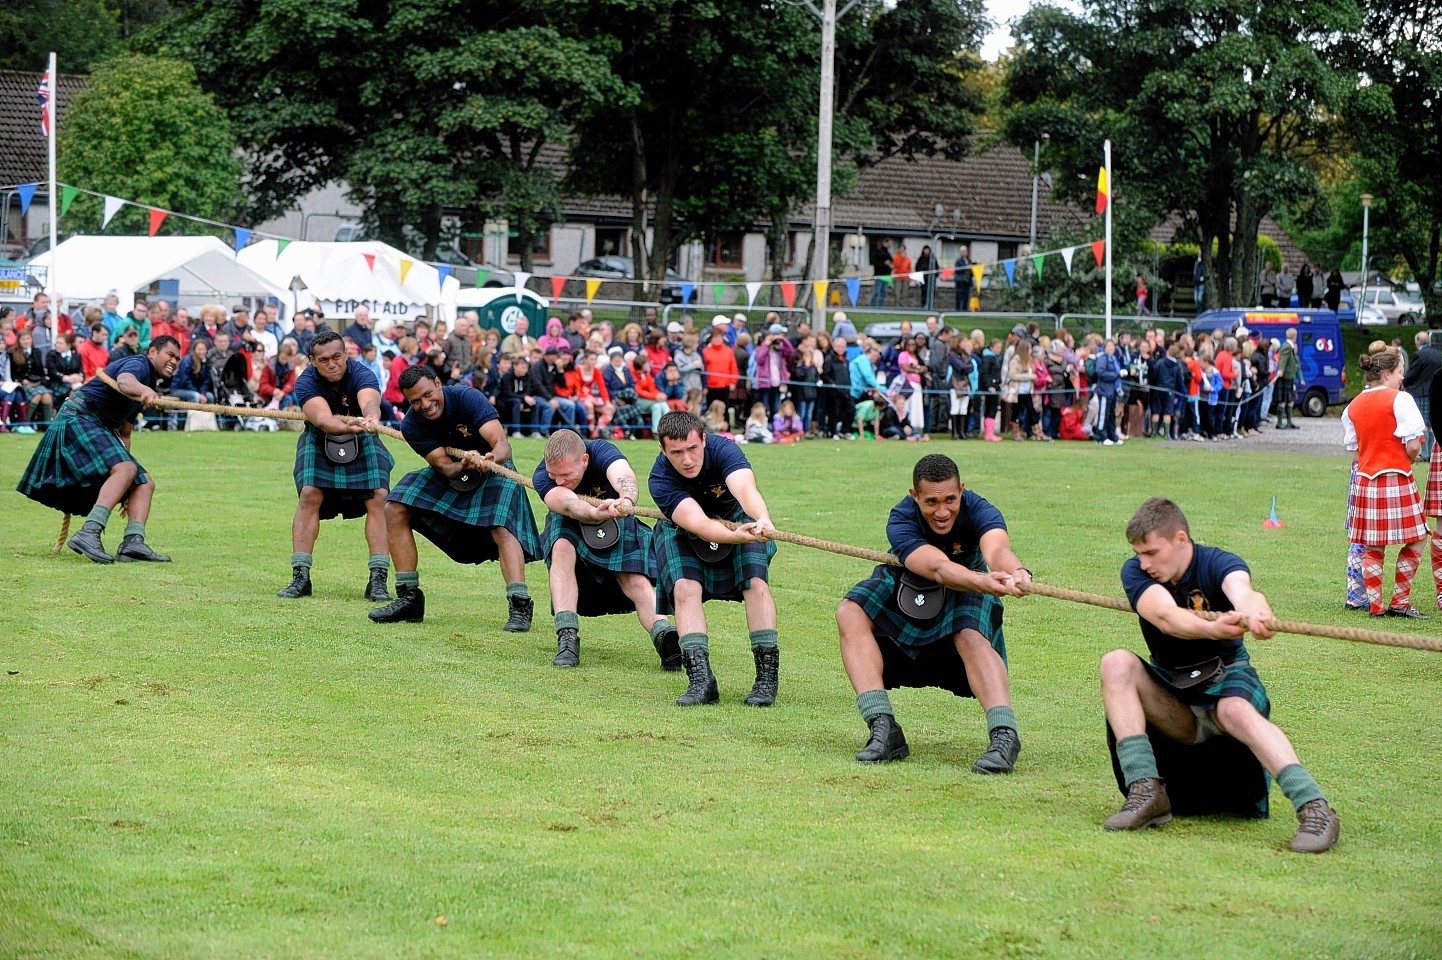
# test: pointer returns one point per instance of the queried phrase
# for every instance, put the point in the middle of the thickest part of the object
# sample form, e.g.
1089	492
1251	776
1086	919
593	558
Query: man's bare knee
1119	668
1237	714
688	590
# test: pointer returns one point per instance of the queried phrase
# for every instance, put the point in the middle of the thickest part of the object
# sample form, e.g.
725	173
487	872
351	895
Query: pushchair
235	389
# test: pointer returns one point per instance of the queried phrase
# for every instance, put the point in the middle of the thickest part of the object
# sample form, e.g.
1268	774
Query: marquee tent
339	277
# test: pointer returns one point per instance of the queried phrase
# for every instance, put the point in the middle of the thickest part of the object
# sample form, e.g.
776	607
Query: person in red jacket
94	354
408	347
649	400
588	388
1226	365
720	363
277	378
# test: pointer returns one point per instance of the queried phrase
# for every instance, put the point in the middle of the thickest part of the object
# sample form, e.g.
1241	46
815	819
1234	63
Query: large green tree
143	130
1210	105
79	32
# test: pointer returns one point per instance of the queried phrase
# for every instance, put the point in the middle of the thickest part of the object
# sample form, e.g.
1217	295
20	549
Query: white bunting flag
1066	256
752	289
914	276
112	207
521	278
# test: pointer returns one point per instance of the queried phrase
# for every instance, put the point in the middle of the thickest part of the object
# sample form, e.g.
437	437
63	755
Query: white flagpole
1111	195
50	287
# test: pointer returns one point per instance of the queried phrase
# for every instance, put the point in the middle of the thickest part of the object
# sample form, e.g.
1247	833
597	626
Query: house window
540	246
724	250
613	242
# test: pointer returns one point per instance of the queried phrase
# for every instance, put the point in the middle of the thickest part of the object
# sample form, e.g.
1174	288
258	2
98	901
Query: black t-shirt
594	482
110	406
708	488
344	397
907	530
465	411
1200	588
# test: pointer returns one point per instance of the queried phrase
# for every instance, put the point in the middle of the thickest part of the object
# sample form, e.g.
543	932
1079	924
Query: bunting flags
1010	267
752	288
915	276
157	217
1066	255
885	278
1103	193
27	193
370	260
947	273
818	290
280	246
687	291
67	196
592	286
112	207
242	237
406	268
558	284
977	269
1038	261
442	272
788	292
719	290
1099	250
482	275
853	289
521	278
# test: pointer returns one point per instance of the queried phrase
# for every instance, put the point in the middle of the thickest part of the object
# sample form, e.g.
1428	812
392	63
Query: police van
1319	347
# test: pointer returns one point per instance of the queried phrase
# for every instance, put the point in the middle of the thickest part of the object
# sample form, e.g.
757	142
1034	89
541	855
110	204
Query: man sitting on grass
1199	683
935	622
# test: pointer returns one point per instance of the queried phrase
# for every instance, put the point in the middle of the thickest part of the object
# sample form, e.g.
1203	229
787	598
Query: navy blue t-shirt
465	411
907	530
708	488
110	406
594	482
343	397
1200	588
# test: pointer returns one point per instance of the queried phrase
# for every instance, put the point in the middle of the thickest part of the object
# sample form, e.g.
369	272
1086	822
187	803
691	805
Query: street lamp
1035	180
1366	217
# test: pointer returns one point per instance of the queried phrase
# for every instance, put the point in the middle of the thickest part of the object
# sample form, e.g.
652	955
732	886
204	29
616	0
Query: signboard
393	309
12	280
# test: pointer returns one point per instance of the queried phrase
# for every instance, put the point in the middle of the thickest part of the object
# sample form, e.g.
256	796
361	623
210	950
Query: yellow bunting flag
818	288
977	269
591	287
406	268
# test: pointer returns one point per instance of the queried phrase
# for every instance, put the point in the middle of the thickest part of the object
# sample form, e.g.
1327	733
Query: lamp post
1366	217
1035	182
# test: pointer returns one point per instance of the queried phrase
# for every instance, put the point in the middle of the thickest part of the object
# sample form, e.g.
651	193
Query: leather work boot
701	687
134	548
887	742
1146	806
1000	756
522	609
409	606
568	648
376	591
1317	828
763	691
668	648
299	584
86	542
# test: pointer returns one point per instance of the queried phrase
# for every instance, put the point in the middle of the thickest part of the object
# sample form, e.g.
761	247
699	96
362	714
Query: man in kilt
1384	429
1198	686
1433	505
472	514
599	558
83	464
699	480
341	467
935	621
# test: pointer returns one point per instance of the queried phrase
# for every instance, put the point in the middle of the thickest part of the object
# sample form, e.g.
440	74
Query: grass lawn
193	768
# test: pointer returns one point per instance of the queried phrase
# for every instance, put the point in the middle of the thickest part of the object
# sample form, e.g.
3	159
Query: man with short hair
139	320
126	345
698	481
1289	372
880	267
37	321
963	279
518	344
471	514
935	621
83	464
938	367
341	467
458	342
359	330
1421	370
592	549
577	330
1199	684
93	353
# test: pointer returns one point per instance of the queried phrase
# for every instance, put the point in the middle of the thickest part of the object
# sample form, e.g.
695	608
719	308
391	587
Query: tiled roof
22	149
1170	231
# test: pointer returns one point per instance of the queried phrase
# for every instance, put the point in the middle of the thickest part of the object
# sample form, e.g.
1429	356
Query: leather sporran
919	598
342	448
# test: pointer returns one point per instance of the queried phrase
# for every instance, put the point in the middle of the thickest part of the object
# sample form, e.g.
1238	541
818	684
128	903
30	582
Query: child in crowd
758	425
690	364
716	421
788	427
1211	390
804	378
1073	420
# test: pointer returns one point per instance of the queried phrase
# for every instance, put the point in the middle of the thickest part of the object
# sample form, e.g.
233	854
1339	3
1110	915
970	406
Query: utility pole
821	228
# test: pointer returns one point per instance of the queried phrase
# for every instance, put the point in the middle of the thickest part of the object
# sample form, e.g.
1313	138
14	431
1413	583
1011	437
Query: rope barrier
1275	624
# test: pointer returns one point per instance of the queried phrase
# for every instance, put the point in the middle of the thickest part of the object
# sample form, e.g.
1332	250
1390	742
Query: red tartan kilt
1432	506
1386	510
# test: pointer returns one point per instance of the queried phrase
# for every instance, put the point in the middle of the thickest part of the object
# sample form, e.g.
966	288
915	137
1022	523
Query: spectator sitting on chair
128	345
94	354
195	380
277	379
517	405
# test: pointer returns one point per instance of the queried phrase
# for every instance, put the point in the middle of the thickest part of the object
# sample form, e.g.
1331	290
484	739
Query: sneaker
1317	828
1000	755
1109	442
887	742
1146	805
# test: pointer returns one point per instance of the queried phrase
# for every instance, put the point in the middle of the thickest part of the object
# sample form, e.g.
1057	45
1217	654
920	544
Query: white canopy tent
339	277
204	269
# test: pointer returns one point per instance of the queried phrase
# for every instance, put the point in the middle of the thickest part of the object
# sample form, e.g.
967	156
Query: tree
143	130
1209	105
79	32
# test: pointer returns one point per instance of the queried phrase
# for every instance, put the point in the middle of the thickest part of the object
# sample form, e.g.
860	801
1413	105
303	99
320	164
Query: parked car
1397	305
624	268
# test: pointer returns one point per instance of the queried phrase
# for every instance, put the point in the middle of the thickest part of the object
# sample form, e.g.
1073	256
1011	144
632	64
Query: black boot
86	542
763	692
409	606
955	428
376	591
702	685
522	609
1001	755
568	648
134	547
668	648
299	584
887	742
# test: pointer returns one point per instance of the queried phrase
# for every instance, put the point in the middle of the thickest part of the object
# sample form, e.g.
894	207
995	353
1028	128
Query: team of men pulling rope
1188	727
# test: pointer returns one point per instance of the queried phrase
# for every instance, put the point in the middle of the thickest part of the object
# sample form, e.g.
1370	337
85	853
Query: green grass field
193	768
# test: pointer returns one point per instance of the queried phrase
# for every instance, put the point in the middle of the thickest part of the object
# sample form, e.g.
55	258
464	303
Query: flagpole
54	206
1111	195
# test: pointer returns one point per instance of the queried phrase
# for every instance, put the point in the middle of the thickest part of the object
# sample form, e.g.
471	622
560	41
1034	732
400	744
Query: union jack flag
42	95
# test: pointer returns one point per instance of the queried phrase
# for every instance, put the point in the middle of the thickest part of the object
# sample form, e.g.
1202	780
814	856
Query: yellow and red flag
1103	190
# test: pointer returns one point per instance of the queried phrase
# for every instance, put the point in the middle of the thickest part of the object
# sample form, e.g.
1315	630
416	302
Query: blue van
1319	347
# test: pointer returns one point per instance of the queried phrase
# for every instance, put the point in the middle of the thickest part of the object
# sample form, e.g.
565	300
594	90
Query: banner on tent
395	309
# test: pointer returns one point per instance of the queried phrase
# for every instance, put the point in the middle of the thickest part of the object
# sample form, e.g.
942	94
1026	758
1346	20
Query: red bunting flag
157	217
1104	193
557	285
947	273
1099	250
788	292
370	261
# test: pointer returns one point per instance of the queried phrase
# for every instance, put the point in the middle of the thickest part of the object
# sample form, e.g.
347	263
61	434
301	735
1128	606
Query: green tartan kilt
962	611
675	560
344	487
460	523
1240	680
598	594
73	461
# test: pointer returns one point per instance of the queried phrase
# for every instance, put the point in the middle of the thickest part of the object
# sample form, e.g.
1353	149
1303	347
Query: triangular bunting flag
1037	261
280	246
687	291
977	269
718	290
1099	248
442	272
67	196
406	268
242	237
482	275
558	284
752	289
853	289
112	207
157	217
915	276
818	290
947	273
1010	267
370	260
591	287
1066	255
521	278
885	278
27	193
788	292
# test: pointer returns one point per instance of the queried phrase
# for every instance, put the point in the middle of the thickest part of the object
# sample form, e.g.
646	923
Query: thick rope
64	534
1352	634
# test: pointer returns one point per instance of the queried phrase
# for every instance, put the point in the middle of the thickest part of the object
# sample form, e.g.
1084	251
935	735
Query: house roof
1170	231
23	159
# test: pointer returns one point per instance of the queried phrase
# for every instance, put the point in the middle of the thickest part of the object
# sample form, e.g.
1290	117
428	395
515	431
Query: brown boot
1146	806
1317	828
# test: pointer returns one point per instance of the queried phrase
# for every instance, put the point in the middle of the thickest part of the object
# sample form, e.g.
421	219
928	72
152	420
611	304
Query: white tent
204	268
340	277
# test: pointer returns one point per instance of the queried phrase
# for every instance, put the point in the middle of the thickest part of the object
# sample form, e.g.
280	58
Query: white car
1397	305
